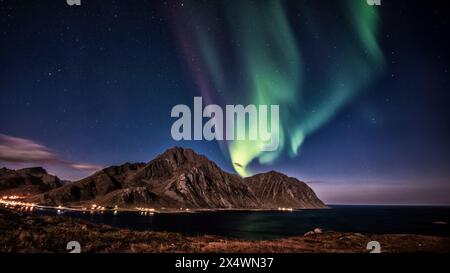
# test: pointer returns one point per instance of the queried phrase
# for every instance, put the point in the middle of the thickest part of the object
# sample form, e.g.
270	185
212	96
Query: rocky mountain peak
27	181
178	156
33	171
277	189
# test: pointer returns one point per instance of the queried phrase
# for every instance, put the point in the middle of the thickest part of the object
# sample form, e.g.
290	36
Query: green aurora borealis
269	64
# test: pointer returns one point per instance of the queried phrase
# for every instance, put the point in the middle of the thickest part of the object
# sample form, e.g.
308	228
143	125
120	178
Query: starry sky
363	91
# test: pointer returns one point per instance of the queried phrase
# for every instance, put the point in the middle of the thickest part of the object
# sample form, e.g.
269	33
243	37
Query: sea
266	225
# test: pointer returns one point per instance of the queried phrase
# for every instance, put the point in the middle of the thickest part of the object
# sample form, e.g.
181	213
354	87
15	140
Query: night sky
363	91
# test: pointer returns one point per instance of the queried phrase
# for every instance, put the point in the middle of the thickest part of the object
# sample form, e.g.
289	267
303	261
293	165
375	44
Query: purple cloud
21	150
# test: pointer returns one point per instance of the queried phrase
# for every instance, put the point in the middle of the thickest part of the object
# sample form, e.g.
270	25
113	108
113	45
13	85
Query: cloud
86	167
14	149
318	182
21	150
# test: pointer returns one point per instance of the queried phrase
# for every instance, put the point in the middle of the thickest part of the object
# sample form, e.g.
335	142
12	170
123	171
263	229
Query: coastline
93	208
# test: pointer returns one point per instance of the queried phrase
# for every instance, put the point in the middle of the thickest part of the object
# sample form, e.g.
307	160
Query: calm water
270	225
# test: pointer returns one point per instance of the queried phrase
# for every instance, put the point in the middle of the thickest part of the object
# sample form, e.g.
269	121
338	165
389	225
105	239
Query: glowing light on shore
12	197
6	202
145	209
285	209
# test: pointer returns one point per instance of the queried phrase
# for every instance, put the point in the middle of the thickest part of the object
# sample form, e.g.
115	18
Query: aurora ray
276	62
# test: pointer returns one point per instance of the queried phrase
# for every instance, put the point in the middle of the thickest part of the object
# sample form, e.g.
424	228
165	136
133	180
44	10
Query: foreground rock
22	233
181	178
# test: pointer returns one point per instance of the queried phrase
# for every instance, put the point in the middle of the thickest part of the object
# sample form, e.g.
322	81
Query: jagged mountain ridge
181	178
28	181
275	189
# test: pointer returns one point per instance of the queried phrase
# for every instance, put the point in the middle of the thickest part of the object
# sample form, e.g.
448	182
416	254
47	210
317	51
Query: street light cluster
96	207
12	197
146	211
17	203
285	209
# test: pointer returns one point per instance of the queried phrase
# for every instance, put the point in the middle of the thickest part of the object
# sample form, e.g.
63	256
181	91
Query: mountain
95	186
27	181
190	180
181	178
275	189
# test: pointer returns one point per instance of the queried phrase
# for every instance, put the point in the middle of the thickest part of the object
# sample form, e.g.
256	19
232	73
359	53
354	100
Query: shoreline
97	208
